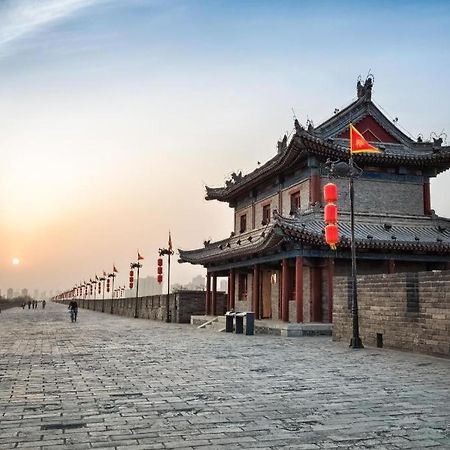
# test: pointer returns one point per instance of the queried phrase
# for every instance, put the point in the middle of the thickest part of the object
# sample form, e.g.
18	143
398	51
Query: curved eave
272	167
439	160
304	142
232	248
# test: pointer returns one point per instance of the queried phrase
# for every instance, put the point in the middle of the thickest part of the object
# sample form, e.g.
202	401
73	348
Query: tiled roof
304	143
411	234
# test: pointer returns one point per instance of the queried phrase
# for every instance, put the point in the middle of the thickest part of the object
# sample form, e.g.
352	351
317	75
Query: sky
115	114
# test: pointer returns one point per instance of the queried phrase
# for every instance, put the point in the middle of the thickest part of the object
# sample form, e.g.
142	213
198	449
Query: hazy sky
115	113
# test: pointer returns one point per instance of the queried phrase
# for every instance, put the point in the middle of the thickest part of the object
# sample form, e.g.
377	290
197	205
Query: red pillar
214	296
316	294
314	187
330	275
426	198
208	294
391	266
299	288
285	290
255	291
231	290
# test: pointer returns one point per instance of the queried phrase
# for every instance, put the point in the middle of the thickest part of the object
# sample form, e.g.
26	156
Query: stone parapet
408	311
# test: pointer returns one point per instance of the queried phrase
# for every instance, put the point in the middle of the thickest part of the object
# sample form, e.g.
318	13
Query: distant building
24	292
9	293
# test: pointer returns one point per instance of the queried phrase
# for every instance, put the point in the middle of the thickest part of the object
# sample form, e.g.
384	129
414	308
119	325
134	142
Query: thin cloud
22	18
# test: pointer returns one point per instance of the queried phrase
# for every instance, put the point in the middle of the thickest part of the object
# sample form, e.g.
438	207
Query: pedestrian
73	307
29	304
43	304
23	305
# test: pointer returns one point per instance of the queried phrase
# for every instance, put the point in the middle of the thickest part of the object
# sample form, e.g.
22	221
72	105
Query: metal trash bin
250	324
229	321
240	322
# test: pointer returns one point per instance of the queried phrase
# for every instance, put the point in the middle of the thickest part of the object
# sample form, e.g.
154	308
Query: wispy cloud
22	18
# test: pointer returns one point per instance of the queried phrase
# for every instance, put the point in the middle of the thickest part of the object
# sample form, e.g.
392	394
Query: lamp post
349	170
137	265
168	252
102	280
112	276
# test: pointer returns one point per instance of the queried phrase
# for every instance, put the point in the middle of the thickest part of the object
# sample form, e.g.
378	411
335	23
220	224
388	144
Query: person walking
43	304
73	307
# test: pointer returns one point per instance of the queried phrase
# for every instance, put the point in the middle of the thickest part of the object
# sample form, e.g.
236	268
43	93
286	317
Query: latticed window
243	223
265	214
295	202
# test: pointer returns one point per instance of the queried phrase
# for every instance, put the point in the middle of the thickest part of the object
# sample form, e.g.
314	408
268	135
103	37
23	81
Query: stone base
274	327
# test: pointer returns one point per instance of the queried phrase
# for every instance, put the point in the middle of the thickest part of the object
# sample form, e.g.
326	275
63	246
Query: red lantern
131	273
330	194
330	213
160	262
131	285
160	270
332	235
160	279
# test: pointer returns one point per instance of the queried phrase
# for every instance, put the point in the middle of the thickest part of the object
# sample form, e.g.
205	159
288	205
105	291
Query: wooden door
266	295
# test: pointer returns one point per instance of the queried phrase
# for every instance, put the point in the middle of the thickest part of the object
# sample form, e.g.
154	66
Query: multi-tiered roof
374	232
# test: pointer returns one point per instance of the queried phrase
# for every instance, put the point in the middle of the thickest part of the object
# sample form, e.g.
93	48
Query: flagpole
355	341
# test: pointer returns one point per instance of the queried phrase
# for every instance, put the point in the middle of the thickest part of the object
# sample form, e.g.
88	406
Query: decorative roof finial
365	90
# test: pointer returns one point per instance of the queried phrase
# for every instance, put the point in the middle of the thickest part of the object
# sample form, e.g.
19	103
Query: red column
426	198
208	294
299	288
330	274
391	266
314	187
231	289
214	295
255	291
316	294
285	290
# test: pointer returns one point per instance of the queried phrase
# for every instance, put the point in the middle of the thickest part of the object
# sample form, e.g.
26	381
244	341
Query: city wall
182	305
408	311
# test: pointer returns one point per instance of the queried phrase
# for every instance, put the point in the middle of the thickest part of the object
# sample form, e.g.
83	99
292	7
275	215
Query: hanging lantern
160	279
160	262
330	194
330	213
160	270
131	273
332	235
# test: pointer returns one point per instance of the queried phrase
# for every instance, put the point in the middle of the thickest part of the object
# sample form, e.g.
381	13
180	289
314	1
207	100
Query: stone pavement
114	382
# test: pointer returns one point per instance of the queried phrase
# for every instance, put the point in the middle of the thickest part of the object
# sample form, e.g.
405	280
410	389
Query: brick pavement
114	382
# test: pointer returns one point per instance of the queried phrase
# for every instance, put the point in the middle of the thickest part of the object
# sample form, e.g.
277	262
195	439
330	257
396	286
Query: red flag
140	257
358	144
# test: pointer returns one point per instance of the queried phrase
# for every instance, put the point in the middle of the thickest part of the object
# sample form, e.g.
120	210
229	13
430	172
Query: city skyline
116	114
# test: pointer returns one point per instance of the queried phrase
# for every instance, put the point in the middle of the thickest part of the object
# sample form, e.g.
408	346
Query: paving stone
116	382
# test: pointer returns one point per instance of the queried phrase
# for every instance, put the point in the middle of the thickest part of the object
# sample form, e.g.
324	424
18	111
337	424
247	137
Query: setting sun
16	261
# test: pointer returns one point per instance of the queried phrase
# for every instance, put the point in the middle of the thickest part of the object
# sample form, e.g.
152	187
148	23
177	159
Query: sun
16	261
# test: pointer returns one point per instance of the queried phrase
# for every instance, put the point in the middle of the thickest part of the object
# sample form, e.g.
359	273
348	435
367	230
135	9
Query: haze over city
115	114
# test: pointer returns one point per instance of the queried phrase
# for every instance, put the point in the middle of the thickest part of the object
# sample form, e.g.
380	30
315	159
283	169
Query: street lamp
111	277
342	169
137	265
169	253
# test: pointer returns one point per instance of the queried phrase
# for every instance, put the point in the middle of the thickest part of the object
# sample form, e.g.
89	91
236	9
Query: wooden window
295	202
242	286
265	214
243	223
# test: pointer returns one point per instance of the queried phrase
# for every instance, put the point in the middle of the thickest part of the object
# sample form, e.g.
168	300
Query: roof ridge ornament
282	145
365	90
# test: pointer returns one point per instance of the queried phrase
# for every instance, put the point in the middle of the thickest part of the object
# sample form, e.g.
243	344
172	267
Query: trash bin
250	324
229	321
240	322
